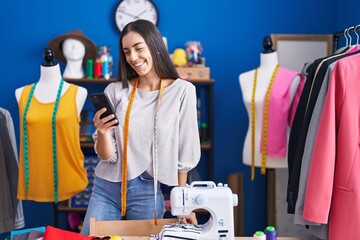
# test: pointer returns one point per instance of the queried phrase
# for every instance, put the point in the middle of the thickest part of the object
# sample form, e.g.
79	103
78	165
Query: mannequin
47	87
74	52
73	49
268	62
53	170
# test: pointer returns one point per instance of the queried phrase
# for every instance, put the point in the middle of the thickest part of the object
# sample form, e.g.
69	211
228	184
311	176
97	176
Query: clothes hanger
351	48
345	48
350	38
357	35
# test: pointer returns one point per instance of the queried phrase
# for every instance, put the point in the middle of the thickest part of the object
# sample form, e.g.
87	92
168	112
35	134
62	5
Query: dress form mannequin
47	87
49	113
74	52
268	62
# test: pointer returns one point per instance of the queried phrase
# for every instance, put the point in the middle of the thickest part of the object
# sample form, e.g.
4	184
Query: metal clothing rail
337	35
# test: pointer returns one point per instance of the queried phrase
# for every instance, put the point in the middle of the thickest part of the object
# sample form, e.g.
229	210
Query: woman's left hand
191	218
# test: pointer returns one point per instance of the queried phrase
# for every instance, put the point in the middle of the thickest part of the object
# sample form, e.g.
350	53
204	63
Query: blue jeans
105	201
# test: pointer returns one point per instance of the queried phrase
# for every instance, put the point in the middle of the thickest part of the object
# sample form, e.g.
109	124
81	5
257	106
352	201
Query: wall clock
131	10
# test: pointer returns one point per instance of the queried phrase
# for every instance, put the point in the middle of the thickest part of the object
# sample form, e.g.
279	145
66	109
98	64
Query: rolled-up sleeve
114	157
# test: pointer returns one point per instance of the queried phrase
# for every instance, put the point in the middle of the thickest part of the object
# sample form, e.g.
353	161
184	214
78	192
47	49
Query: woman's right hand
105	124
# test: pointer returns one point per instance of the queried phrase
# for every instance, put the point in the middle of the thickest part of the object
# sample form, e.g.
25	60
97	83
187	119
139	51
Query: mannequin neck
268	60
74	69
50	74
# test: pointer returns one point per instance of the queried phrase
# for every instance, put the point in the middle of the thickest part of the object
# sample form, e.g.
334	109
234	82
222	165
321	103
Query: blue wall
231	33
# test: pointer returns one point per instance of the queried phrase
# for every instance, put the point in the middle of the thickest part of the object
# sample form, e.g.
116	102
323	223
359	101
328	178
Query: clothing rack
337	35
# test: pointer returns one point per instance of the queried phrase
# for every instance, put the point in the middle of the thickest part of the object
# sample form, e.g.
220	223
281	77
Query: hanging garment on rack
71	174
319	230
306	139
295	132
11	211
299	131
333	189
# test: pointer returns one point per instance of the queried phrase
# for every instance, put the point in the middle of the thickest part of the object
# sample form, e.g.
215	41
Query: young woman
157	139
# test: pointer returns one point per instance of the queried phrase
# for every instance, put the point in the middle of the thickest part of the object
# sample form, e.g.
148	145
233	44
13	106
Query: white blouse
178	135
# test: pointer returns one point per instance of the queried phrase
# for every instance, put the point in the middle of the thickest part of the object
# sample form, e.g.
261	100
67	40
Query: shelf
102	80
204	146
85	80
64	207
87	144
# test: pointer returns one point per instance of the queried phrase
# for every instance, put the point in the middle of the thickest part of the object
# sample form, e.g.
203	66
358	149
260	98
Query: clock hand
128	14
140	14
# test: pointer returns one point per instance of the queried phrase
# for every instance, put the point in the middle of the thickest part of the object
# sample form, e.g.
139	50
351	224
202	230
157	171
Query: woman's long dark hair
163	65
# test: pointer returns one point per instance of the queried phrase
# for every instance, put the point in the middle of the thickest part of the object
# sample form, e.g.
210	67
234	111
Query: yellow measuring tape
265	124
124	153
126	140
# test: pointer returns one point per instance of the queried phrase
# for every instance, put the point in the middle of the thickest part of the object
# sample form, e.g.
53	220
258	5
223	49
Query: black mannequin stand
49	61
49	58
267	43
270	215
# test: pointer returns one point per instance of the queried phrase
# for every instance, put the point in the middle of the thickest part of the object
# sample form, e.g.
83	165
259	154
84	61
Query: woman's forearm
104	146
182	178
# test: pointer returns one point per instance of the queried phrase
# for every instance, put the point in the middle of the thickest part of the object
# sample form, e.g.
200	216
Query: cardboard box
194	73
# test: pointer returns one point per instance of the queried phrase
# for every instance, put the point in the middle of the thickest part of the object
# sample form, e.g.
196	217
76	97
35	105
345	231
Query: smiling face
137	54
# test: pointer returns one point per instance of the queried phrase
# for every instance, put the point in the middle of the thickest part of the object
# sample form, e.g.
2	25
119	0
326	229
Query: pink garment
333	189
353	49
281	112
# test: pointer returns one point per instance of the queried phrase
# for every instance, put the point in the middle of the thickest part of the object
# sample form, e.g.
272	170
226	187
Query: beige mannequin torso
48	85
268	63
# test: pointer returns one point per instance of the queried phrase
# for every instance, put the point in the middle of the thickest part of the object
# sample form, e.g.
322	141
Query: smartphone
101	100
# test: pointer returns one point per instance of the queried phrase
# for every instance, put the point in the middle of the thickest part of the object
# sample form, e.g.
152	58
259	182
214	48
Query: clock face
131	10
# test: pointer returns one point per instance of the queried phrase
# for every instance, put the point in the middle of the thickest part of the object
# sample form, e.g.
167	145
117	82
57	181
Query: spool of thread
97	69
90	69
270	233
105	70
203	133
259	235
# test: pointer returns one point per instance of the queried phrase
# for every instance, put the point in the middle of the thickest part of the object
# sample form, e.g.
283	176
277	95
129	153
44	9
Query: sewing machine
217	200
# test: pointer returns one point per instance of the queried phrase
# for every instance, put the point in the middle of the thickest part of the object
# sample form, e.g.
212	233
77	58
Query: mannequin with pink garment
266	70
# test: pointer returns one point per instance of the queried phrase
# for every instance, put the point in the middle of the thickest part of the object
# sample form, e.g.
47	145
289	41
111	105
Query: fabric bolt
72	176
105	200
178	135
280	102
332	192
22	236
34	235
52	233
28	233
